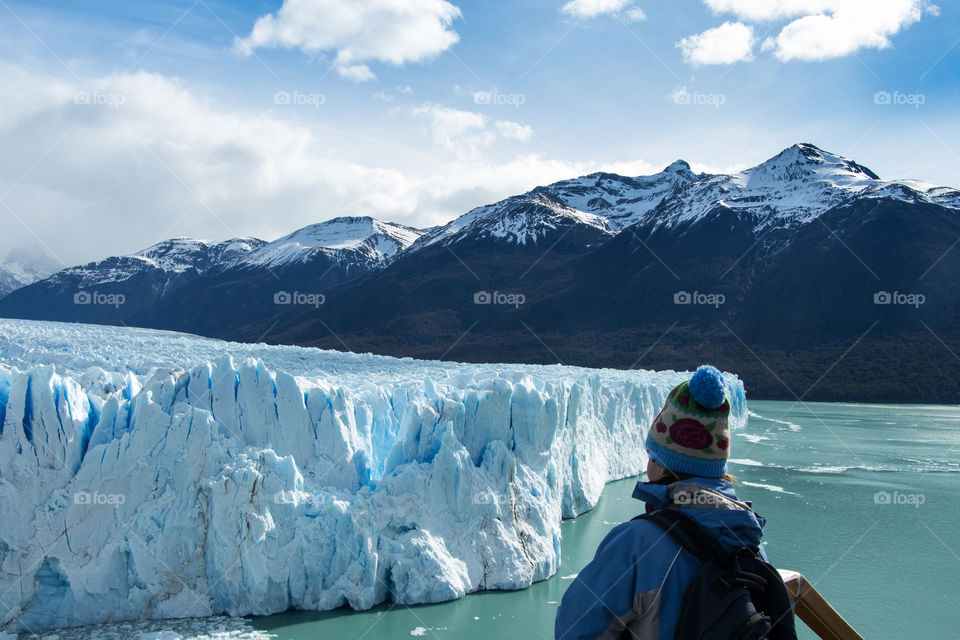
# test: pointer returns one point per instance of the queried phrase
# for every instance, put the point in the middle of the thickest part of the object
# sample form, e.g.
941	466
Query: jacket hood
710	502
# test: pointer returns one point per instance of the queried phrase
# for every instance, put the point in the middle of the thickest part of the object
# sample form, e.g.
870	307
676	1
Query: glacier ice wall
146	474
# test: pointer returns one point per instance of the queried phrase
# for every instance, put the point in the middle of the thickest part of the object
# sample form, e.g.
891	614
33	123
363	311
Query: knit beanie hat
691	434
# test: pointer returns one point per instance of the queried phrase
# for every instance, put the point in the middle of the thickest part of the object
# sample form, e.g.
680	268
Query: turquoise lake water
862	499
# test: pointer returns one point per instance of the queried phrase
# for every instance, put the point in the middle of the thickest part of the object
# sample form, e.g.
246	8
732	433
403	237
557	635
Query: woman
636	582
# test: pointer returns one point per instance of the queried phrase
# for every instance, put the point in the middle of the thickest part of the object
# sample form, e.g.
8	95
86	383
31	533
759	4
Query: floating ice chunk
746	462
768	487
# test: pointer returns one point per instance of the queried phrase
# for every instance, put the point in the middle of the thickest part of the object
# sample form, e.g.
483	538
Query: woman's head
691	434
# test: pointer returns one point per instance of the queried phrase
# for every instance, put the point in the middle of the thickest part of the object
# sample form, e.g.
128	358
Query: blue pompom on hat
707	388
691	434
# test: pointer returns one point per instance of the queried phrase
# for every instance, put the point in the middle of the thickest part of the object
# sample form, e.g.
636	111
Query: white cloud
730	42
127	160
359	31
824	29
636	14
467	133
384	96
760	10
463	132
124	161
593	8
514	130
356	72
851	26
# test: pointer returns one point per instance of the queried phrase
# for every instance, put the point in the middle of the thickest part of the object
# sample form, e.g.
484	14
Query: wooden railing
815	611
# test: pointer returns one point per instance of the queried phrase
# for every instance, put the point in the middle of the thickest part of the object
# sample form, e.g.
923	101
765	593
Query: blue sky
131	122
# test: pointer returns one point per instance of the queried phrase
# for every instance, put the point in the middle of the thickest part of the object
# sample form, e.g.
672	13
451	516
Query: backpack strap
687	534
734	593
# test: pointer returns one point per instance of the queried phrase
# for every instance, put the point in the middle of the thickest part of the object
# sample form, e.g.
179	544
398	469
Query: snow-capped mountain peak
623	201
804	162
678	166
178	255
790	189
370	239
519	220
30	264
914	191
354	244
350	233
373	240
24	266
174	258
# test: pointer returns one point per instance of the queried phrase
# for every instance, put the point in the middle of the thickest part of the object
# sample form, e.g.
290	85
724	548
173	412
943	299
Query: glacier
148	474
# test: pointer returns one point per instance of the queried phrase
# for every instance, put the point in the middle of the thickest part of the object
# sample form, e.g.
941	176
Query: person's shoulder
638	533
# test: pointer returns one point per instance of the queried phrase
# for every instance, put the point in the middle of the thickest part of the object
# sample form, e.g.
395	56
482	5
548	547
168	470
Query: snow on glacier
148	474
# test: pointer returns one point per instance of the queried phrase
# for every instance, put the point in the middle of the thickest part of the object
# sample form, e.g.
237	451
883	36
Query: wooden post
815	611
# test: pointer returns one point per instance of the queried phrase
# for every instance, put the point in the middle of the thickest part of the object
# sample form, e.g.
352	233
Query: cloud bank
111	165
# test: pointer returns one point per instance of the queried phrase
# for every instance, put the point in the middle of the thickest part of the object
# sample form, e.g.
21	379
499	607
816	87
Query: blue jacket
639	574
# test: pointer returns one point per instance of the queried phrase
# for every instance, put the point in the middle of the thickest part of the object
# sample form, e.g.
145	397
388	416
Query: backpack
735	595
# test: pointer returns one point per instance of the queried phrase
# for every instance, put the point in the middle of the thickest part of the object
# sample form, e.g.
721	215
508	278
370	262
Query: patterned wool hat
691	434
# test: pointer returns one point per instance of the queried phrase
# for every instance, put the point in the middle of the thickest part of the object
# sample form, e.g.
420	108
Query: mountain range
808	274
